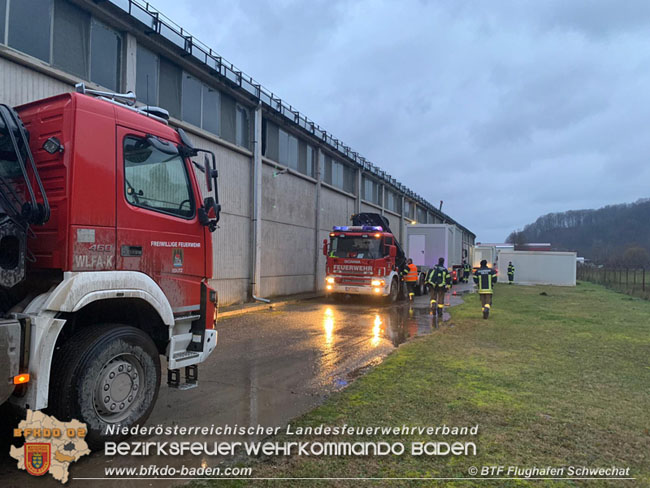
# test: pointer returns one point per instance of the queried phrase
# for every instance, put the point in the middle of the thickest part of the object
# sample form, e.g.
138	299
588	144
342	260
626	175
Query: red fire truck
364	259
105	255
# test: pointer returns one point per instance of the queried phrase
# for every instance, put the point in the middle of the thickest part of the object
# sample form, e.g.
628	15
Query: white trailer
481	252
539	267
426	243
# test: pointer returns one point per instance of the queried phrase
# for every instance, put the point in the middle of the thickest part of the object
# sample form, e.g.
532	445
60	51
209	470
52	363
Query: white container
539	267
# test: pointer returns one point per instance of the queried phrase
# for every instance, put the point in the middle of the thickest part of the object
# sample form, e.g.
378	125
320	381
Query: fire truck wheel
105	375
419	289
394	292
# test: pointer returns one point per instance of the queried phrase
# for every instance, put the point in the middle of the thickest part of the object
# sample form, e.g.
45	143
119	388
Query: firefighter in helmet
485	278
466	270
439	281
511	273
410	277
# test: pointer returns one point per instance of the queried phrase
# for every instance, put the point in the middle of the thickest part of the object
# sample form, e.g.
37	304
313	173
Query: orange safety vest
412	275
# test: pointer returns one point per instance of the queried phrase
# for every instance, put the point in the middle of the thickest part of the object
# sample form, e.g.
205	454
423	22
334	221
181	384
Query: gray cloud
505	110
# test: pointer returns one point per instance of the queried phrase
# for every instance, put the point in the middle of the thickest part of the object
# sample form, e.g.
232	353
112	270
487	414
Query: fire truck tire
394	291
419	289
105	374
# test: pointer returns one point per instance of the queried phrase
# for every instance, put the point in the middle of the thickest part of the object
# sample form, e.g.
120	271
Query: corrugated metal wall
288	221
19	84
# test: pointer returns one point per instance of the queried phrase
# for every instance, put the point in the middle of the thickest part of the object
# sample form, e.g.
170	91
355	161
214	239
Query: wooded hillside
615	234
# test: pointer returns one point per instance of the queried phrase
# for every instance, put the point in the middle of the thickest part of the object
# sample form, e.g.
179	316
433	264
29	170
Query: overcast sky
506	110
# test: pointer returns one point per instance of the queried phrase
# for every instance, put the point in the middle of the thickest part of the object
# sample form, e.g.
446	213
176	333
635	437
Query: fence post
643	285
627	275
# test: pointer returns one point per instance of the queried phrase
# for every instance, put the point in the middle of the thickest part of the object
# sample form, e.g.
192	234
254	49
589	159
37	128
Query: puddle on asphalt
397	323
403	322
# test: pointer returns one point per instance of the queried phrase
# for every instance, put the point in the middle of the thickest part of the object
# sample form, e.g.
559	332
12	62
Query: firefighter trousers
486	299
438	295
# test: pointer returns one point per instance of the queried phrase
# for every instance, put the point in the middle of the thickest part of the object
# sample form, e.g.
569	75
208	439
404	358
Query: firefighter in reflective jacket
511	273
410	277
466	271
485	278
439	281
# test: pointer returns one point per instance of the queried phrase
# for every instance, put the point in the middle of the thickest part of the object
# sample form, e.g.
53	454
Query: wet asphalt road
269	367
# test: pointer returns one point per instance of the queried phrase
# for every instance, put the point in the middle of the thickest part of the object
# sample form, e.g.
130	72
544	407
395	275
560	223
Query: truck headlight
377	283
330	280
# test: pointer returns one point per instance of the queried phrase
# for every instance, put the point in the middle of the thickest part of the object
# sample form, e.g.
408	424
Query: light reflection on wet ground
269	367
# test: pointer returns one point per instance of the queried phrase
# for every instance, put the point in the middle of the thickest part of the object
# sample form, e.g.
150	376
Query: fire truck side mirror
206	171
392	251
324	247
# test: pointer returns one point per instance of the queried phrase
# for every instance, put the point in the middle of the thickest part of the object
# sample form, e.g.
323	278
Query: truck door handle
130	251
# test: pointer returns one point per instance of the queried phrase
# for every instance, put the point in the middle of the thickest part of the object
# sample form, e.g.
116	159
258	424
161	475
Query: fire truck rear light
330	279
377	234
329	287
21	379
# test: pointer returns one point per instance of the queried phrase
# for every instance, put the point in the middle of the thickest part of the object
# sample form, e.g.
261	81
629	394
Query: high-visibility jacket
485	278
410	273
511	269
466	268
438	277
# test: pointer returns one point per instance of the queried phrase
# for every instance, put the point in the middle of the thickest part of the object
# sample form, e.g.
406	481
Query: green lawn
554	379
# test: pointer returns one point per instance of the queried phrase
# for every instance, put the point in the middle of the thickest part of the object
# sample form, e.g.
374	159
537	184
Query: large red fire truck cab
363	259
106	255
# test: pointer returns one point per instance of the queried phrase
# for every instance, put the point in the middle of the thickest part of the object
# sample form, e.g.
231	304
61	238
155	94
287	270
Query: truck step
185	355
191	378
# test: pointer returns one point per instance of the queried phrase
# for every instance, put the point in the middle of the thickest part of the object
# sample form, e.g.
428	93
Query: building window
30	27
306	156
228	119
211	103
65	36
393	202
348	178
161	82
243	127
338	174
372	191
270	139
327	169
422	215
105	49
408	209
146	76
288	146
3	13
191	100
286	149
72	31
170	87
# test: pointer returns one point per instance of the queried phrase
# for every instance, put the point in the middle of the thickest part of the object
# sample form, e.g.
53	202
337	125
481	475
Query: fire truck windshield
356	247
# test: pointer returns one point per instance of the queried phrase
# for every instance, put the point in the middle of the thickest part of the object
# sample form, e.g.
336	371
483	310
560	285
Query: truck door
158	232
